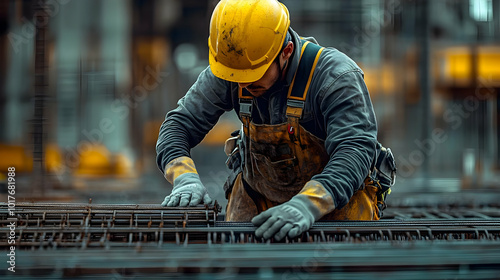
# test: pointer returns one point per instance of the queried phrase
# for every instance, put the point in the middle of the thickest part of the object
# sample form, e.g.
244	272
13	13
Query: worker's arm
184	128
351	131
351	136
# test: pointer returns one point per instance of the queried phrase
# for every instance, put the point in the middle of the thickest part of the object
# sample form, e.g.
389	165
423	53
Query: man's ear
288	50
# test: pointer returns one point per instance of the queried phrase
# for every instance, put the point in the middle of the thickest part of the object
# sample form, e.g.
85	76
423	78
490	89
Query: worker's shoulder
335	63
332	61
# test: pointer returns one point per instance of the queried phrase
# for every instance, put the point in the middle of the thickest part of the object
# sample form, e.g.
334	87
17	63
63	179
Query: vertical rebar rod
41	83
423	30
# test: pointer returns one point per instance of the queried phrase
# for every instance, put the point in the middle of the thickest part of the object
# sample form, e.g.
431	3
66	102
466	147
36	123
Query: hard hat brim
237	75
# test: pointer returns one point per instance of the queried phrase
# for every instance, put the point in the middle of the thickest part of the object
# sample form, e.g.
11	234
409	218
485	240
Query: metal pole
41	84
423	35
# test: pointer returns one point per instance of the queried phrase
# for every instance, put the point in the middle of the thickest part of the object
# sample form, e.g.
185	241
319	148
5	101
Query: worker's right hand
188	190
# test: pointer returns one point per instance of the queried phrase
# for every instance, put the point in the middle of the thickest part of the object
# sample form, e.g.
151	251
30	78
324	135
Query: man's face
259	87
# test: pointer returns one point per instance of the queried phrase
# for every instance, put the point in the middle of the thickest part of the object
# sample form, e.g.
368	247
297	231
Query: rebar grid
57	225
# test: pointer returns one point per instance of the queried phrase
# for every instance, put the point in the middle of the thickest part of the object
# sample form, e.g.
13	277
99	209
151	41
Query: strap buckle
246	107
294	108
295	103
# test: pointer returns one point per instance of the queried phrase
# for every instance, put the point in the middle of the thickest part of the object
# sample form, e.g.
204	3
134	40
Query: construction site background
81	103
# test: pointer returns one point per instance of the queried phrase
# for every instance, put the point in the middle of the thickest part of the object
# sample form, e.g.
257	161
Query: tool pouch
233	150
383	175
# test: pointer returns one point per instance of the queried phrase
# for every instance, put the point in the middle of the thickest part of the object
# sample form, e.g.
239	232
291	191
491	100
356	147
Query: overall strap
246	101
299	87
297	92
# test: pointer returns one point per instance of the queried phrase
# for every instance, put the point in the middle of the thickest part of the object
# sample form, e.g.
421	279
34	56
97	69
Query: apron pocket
279	173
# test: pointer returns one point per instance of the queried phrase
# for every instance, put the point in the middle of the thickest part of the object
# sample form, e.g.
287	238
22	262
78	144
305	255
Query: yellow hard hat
245	38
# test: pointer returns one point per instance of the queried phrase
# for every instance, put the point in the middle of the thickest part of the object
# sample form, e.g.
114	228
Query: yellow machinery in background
467	66
15	156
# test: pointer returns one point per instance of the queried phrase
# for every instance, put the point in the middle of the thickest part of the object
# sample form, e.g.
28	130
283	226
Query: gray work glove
188	190
296	215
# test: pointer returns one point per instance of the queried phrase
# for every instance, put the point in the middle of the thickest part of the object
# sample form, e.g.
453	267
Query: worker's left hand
290	218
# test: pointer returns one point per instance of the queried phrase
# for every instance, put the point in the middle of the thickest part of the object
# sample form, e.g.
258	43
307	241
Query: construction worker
308	140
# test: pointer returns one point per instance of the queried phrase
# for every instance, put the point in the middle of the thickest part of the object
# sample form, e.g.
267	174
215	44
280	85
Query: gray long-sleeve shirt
338	109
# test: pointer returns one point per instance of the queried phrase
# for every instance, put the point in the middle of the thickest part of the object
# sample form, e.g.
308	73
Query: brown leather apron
278	161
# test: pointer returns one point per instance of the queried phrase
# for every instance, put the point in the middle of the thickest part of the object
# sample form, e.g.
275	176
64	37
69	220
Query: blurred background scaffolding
85	86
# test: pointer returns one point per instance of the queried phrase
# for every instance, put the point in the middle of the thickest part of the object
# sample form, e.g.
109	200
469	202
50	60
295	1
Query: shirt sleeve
196	114
351	132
